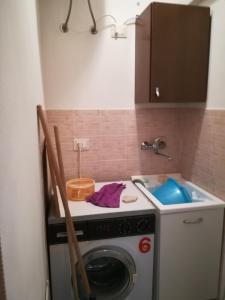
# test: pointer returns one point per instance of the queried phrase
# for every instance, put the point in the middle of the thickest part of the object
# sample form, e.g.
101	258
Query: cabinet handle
196	221
157	93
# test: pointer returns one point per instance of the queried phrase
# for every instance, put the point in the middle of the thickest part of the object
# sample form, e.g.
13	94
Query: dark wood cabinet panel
142	58
172	50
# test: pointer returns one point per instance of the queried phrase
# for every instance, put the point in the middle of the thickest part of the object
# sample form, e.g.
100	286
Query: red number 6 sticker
145	245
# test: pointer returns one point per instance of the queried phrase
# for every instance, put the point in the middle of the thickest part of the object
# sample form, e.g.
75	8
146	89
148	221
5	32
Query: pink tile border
195	139
115	138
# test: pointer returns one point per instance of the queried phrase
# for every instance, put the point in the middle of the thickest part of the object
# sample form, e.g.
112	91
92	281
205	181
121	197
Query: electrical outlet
83	143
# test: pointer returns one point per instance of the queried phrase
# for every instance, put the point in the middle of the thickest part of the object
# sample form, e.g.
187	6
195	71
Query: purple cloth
108	195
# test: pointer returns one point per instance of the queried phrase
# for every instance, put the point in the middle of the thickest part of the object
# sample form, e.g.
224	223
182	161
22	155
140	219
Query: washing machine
117	248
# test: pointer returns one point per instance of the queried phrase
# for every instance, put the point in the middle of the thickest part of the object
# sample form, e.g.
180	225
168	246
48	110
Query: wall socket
83	142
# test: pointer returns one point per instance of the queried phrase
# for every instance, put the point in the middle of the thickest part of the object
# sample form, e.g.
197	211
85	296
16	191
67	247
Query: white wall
21	199
216	86
82	71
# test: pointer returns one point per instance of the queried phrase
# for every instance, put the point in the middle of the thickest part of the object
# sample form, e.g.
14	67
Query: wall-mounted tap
156	145
146	145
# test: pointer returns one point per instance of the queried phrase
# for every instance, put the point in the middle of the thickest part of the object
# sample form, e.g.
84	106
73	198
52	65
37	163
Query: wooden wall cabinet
172	53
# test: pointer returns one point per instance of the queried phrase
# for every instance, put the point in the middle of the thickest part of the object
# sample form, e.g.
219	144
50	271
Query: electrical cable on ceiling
94	27
64	26
105	16
131	21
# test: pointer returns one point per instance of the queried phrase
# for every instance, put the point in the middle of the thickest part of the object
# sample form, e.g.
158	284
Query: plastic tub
171	192
80	188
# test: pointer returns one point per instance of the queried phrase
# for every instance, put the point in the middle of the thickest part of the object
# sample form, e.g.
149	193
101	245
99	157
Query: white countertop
82	210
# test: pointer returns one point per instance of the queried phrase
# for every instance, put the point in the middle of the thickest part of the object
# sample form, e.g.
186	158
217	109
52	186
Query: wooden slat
59	155
62	174
55	196
70	226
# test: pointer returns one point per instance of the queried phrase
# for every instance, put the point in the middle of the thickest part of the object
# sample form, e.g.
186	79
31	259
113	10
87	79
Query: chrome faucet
156	145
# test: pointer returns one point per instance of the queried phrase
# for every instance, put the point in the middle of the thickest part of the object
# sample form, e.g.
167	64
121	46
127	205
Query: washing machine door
111	272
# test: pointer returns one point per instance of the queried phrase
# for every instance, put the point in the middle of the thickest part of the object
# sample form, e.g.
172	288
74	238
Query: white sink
201	198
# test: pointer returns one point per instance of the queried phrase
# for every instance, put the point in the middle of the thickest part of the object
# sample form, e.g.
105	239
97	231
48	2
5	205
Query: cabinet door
179	52
142	57
189	255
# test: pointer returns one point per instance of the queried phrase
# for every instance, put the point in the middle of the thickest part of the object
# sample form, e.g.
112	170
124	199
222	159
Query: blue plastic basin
171	192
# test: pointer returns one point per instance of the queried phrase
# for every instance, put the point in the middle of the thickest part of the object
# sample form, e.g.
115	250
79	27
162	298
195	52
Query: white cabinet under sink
189	242
189	255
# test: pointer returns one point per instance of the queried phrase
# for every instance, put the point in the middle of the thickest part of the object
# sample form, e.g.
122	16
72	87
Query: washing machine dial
143	225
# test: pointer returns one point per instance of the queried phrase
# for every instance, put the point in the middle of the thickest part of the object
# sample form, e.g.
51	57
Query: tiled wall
203	148
115	138
195	140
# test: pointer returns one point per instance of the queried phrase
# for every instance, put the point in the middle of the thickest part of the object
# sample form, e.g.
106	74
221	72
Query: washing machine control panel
104	228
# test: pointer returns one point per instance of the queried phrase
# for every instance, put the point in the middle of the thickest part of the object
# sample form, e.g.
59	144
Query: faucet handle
158	144
146	145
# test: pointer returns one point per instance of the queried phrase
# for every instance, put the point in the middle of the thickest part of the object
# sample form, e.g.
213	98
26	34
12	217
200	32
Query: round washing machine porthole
110	271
